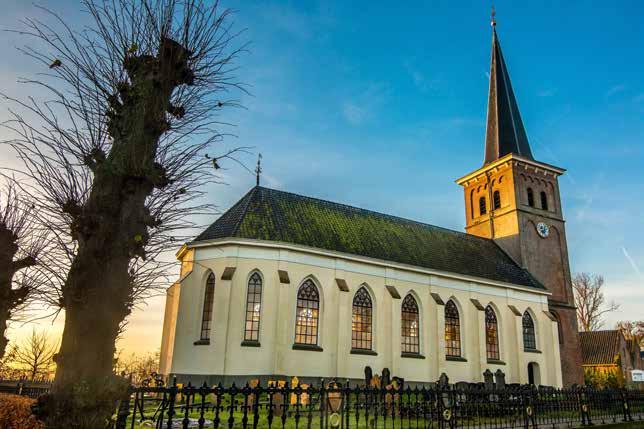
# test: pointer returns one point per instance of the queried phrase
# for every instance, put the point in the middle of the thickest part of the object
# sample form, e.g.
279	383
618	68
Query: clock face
543	229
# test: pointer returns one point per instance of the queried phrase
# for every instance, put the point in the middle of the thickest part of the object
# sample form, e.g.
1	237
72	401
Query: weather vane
258	169
493	22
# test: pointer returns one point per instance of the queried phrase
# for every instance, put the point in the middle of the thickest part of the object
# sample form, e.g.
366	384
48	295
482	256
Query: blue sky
383	105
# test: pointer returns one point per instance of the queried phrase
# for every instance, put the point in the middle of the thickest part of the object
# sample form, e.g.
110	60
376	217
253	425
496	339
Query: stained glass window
529	338
208	302
361	320
410	326
253	307
308	309
452	330
491	334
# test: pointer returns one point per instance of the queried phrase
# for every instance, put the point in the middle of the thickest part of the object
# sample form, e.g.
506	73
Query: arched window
361	320
544	200
529	338
410	326
253	307
491	334
308	313
496	196
530	197
208	302
472	204
482	206
452	330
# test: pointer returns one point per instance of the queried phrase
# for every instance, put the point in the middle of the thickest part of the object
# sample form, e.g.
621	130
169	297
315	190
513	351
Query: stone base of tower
570	348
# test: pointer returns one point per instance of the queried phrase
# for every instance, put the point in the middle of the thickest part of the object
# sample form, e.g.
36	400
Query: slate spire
505	133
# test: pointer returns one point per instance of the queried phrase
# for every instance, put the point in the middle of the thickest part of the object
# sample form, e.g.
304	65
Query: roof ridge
249	197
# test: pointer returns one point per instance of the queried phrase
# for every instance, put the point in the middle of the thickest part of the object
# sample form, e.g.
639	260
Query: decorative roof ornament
258	169
493	20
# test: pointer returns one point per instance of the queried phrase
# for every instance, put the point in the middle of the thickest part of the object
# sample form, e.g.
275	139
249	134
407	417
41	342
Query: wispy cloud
616	89
357	110
422	82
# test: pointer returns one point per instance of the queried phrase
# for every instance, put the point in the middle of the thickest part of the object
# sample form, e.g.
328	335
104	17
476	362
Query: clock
543	230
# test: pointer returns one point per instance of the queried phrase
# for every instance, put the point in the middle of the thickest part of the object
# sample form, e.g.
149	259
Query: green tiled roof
271	215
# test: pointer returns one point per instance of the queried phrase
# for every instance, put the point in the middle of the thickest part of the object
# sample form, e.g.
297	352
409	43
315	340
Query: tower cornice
511	159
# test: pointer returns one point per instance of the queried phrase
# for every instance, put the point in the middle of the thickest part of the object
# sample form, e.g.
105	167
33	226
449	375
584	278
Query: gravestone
368	375
488	378
334	398
443	380
500	379
385	379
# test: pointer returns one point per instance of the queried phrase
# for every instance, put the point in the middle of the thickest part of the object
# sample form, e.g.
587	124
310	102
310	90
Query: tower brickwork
515	200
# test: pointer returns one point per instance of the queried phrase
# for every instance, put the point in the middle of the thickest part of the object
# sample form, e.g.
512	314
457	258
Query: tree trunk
112	229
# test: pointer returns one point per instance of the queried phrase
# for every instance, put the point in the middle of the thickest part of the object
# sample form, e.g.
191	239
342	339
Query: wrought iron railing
24	387
338	405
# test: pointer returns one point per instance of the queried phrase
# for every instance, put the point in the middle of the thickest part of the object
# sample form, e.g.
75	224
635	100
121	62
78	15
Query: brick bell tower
514	200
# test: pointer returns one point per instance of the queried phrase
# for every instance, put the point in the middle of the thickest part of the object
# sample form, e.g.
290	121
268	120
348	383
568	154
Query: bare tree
117	162
139	368
20	245
590	302
34	356
632	330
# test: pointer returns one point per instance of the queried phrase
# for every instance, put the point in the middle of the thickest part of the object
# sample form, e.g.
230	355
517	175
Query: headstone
443	380
375	381
334	398
488	378
278	397
385	379
500	379
251	398
368	375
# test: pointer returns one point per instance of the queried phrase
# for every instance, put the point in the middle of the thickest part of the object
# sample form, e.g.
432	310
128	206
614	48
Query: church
286	285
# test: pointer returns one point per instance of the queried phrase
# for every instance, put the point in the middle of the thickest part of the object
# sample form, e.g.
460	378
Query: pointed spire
505	133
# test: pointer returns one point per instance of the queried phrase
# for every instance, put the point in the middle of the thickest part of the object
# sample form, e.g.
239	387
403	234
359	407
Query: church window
361	332
410	326
544	200
482	206
491	334
452	330
308	312
253	307
529	337
497	200
530	197
208	302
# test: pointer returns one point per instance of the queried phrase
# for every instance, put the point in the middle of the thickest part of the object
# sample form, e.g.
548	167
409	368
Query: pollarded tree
118	161
590	302
21	242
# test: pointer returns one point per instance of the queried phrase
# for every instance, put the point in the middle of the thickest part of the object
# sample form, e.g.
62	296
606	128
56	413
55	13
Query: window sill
532	351
412	355
495	362
363	352
455	359
202	343
250	343
309	347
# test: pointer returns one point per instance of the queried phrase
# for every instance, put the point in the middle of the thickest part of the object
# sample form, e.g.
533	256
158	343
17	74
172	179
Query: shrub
15	413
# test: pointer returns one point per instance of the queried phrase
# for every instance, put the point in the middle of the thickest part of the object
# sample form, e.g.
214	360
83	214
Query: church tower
514	200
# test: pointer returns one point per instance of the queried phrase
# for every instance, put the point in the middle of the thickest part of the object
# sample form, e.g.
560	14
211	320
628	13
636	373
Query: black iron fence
32	389
337	405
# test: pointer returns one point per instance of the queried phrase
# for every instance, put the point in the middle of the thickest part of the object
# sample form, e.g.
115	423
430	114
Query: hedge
15	413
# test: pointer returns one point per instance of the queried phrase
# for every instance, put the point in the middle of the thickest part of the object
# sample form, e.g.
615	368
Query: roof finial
258	169
493	21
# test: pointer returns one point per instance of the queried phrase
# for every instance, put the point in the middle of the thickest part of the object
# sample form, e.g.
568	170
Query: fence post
625	406
124	410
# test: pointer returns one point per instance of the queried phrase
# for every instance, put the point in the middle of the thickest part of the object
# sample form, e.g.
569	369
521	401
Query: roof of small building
600	347
272	215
